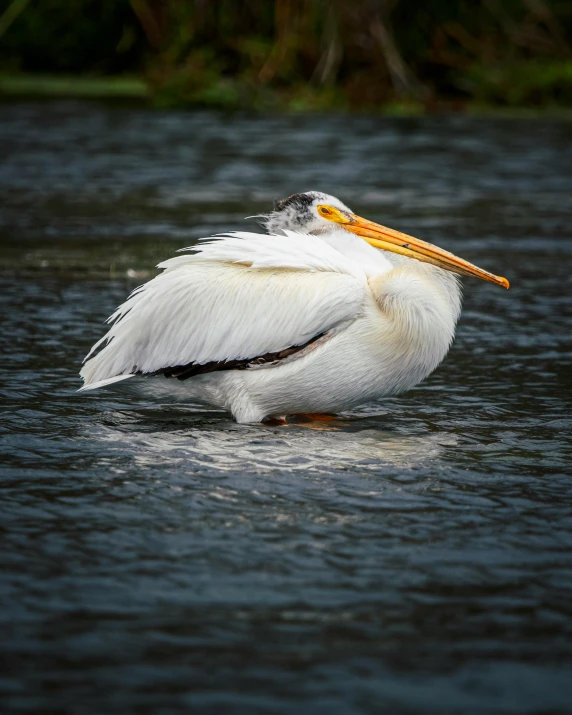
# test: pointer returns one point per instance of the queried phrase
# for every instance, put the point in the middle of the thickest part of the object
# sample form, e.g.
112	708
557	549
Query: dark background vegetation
303	54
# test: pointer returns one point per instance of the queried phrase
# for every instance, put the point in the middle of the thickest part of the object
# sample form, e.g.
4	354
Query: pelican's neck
375	263
447	283
371	260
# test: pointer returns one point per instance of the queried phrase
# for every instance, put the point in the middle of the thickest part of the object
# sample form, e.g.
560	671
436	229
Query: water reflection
213	441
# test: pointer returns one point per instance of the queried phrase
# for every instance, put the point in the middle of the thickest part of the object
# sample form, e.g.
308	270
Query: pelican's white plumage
285	322
239	296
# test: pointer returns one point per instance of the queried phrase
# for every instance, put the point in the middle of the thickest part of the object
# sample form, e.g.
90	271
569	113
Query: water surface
158	558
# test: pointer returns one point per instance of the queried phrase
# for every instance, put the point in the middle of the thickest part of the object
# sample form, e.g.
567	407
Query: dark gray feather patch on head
295	213
295	210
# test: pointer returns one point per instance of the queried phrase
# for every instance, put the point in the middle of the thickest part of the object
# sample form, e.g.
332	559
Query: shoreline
134	89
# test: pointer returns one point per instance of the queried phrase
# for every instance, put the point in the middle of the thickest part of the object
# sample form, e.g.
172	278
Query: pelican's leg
275	421
316	416
310	420
317	421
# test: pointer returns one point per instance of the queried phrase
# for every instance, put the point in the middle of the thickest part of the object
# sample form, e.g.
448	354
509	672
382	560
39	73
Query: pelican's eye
331	213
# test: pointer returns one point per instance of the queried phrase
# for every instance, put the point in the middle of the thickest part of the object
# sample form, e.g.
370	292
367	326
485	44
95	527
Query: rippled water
417	557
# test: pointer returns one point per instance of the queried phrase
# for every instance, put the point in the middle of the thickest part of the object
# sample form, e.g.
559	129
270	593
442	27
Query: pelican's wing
237	298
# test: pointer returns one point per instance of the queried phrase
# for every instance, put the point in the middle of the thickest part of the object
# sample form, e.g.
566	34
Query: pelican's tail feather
103	383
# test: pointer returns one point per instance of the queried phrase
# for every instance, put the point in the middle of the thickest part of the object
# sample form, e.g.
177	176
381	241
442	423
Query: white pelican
308	318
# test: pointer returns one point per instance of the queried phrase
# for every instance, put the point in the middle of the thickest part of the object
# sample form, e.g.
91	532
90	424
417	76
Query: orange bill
390	240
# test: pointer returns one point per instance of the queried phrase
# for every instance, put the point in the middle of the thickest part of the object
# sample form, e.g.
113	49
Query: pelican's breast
419	307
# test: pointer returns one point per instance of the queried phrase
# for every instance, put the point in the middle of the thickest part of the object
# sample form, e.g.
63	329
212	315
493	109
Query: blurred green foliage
305	54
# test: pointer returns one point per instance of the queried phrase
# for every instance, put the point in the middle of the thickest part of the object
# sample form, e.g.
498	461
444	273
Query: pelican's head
301	213
316	213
